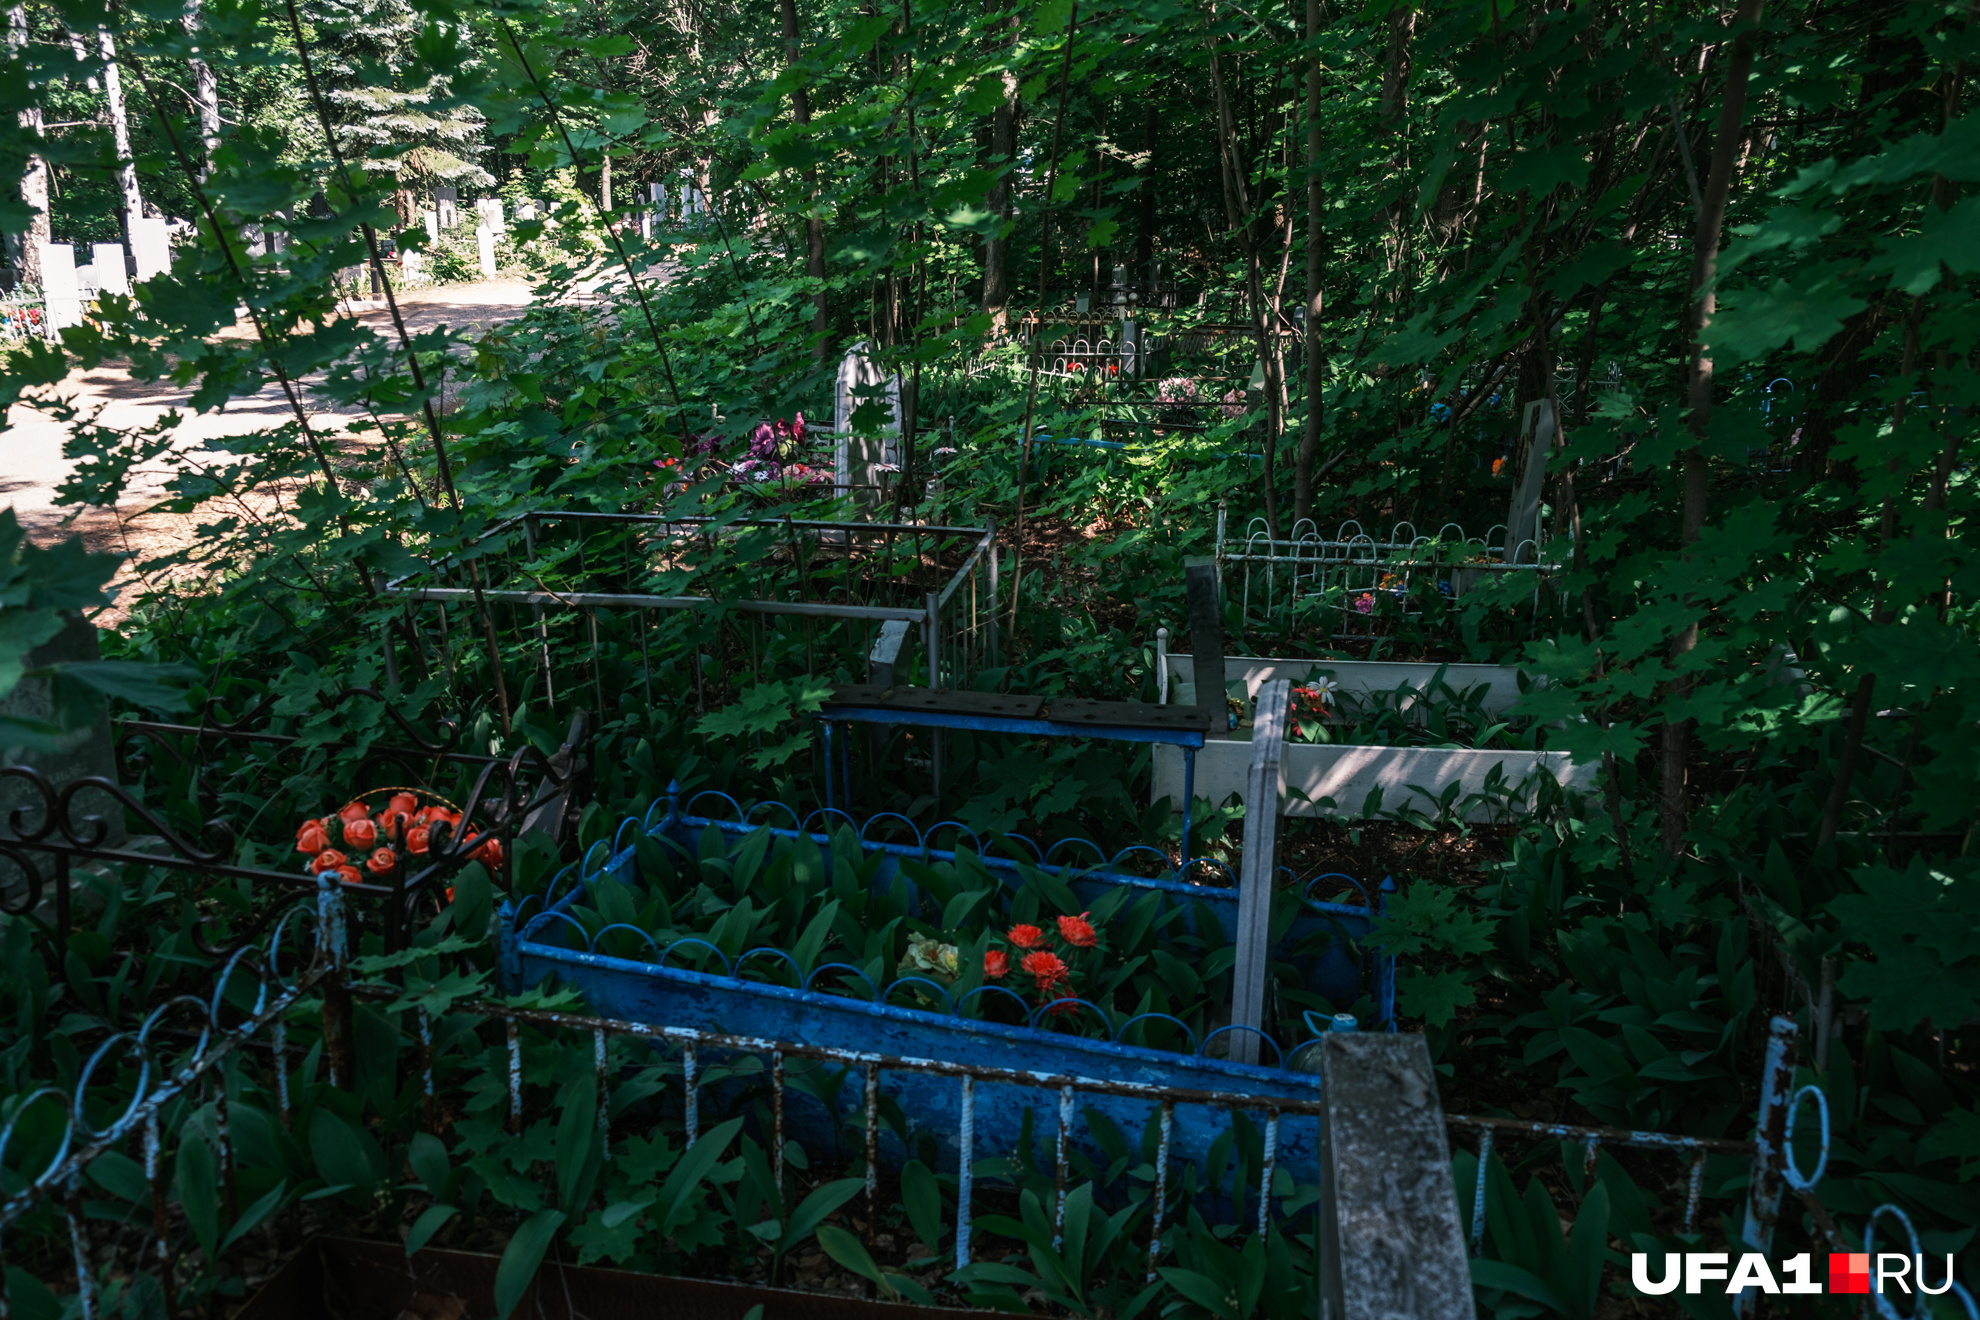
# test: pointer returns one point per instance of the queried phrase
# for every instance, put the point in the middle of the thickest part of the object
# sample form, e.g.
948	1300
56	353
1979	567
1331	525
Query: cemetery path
32	465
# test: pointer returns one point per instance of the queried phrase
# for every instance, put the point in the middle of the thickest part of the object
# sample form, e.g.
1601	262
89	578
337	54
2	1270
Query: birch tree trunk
34	180
1704	270
120	133
206	96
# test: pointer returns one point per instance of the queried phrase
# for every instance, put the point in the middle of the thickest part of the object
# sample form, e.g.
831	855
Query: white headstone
61	294
151	246
645	226
432	219
409	263
657	194
484	239
251	239
490	209
86	281
447	202
526	209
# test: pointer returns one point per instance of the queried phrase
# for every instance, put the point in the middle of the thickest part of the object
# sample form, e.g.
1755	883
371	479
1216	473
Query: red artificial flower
1078	931
1025	937
328	860
354	811
381	861
349	875
489	854
418	839
996	964
360	833
312	838
402	802
393	825
1049	970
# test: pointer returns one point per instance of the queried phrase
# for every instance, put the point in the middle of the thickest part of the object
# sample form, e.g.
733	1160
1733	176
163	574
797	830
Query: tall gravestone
1536	441
61	294
858	457
151	246
446	202
484	241
431	218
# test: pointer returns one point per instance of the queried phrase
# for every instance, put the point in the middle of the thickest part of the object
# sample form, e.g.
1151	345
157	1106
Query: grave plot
1024	964
573	608
1352	721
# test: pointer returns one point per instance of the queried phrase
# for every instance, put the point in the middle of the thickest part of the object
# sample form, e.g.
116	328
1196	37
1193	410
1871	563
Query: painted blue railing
1323	941
541	939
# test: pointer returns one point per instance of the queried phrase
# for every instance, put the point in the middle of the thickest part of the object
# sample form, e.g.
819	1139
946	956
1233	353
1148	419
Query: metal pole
1261	818
1763	1196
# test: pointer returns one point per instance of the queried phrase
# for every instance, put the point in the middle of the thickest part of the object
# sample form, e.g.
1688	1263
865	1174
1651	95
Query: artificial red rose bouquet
1049	962
356	839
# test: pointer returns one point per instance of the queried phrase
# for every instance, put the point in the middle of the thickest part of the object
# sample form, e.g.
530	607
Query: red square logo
1849	1272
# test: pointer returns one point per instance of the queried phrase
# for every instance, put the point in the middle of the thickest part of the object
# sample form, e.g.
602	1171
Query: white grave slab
409	264
484	239
61	294
151	246
432	219
490	210
1536	441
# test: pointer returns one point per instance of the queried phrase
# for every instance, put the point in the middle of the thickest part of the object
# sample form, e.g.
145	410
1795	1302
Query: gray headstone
1206	641
1391	1246
82	754
446	201
886	653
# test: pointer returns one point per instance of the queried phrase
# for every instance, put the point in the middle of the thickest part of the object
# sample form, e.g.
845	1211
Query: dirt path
32	465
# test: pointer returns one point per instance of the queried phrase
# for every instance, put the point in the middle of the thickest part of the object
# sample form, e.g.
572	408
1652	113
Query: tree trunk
120	133
997	252
1144	226
1316	271
1237	203
1704	269
34	179
206	96
814	223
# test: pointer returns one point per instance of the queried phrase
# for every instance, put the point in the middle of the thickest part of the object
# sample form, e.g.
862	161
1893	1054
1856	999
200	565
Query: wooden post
1263	788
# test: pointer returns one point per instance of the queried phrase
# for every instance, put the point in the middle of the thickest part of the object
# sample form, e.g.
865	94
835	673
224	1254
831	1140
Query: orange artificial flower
328	860
312	838
418	839
996	964
349	875
1078	931
360	833
381	861
1025	937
